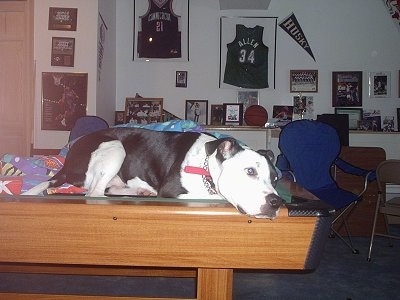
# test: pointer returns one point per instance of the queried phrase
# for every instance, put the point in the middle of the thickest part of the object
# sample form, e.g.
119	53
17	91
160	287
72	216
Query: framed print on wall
62	18
197	111
181	79
143	110
233	113
347	88
62	51
303	81
379	84
64	99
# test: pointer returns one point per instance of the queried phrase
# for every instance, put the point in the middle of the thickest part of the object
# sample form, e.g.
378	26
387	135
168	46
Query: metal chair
309	150
387	174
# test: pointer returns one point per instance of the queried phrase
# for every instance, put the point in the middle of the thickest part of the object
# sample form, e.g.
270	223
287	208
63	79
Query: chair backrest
85	125
388	172
310	147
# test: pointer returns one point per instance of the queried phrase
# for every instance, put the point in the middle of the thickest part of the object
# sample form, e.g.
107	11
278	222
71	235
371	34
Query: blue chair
309	152
85	125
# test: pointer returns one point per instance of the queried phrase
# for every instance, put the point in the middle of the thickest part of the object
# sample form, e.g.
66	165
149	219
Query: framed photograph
119	117
379	84
233	113
217	114
156	39
62	18
355	116
62	51
347	88
197	111
256	68
181	79
64	99
303	81
282	114
143	110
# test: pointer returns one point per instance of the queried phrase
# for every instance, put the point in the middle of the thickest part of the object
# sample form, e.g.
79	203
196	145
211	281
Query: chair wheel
355	251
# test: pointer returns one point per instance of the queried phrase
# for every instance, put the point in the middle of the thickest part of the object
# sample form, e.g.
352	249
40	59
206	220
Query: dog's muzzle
268	210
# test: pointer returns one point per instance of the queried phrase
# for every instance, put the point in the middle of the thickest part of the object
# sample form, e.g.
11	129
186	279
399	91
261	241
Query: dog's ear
225	147
267	154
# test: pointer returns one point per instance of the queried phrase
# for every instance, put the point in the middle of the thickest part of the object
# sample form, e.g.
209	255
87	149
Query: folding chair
85	125
387	173
309	150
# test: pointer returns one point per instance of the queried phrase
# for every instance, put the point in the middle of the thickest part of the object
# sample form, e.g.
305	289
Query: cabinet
360	220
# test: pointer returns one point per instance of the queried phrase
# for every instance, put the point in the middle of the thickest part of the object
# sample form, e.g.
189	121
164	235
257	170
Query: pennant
393	7
292	27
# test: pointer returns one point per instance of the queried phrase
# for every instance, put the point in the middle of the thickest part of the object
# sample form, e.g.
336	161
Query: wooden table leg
214	284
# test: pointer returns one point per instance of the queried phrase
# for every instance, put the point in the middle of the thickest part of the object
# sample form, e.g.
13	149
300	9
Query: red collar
196	170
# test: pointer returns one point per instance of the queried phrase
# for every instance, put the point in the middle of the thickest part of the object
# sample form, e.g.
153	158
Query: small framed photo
143	110
181	79
303	81
355	116
248	98
379	84
62	51
347	88
119	117
233	113
62	18
197	111
217	114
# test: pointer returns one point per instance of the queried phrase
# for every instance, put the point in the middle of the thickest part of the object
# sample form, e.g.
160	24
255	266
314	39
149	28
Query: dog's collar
205	174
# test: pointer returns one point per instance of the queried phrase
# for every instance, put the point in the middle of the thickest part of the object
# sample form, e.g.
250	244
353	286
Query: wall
347	35
353	35
85	59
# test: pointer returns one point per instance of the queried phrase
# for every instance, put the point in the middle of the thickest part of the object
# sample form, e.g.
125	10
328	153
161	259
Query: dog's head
244	177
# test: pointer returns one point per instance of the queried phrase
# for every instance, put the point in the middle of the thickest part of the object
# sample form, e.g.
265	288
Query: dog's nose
274	201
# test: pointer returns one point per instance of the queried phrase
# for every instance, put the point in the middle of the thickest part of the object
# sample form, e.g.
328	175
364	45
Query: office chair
309	151
85	125
387	173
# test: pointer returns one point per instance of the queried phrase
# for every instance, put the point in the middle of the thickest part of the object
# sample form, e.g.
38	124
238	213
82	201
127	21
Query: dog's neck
206	176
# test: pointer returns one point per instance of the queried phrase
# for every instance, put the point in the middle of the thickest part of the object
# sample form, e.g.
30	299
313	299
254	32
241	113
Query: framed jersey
161	30
247	52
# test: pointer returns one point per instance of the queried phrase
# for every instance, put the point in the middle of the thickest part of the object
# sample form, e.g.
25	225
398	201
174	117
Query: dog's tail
37	189
56	180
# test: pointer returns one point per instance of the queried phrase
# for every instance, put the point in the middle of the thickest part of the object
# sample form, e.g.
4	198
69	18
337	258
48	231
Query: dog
186	165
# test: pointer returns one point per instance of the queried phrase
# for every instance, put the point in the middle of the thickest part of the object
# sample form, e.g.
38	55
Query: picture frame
64	99
63	18
180	9
303	81
227	35
379	84
346	88
143	110
233	114
62	51
248	98
355	116
119	117
217	114
181	79
196	111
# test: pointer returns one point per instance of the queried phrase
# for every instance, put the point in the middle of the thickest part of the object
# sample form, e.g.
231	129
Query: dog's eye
251	171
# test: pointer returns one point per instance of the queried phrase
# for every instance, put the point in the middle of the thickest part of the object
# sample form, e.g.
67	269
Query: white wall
353	35
85	59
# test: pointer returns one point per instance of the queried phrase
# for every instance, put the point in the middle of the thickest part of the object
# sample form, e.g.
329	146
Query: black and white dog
189	165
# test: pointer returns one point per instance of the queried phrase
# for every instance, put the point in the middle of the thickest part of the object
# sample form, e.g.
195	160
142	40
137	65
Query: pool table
155	237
